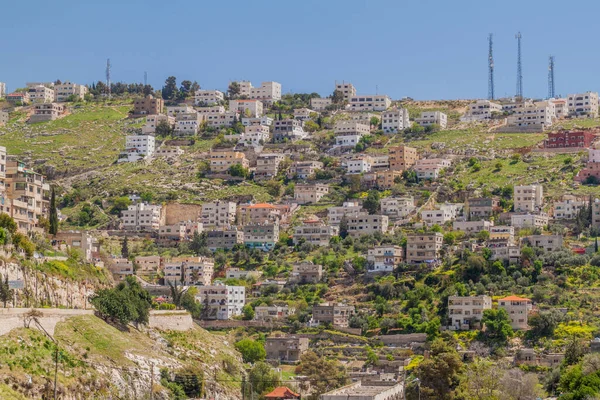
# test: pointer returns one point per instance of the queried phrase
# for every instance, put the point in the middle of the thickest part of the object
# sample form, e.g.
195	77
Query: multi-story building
148	105
583	104
402	157
220	120
431	168
305	193
304	169
384	258
224	238
265	212
264	120
472	227
267	165
303	114
188	124
314	232
337	315
138	147
248	108
220	301
120	268
526	220
320	104
4	117
367	224
271	313
568	208
397	207
424	248
141	217
236	273
255	135
174	111
370	103
466	312
347	89
429	118
502	233
41	94
358	164
288	130
285	348
483	207
64	91
262	236
306	272
504	250
394	121
2	90
592	168
442	214
182	230
268	92
367	390
218	213
528	198
569	139
221	161
561	107
16	98
153	120
532	116
518	310
546	242
24	193
349	209
190	270
43	112
208	97
482	110
148	265
82	241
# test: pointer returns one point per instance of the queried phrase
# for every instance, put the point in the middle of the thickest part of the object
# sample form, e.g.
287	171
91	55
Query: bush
251	350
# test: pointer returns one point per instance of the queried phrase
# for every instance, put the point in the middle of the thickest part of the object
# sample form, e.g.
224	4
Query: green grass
73	270
7	393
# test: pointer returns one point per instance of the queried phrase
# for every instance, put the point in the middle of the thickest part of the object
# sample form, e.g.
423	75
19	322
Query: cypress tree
53	214
344	227
125	248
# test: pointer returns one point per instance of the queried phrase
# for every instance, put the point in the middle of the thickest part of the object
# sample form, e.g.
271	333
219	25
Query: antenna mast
145	78
551	93
491	68
108	77
519	70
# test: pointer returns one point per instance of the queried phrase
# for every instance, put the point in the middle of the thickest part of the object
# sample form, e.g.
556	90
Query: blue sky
426	49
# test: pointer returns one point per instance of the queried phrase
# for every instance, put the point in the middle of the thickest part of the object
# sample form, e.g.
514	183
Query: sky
424	49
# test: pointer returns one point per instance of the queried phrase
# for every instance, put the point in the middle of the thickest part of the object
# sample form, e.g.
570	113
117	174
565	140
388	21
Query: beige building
208	97
141	217
546	242
148	105
320	104
268	92
255	135
306	272
429	118
528	198
148	265
518	309
120	268
236	273
267	165
349	209
306	193
350	127
174	111
387	179
271	313
285	348
63	91
583	104
248	108
188	124
221	302
304	114
502	232
153	120
384	258
82	241
304	169
43	112
4	117
370	103
402	157
483	207
265	212
221	161
397	207
394	121
218	213
367	224
224	238
482	110
182	230
337	315
466	312
526	220
431	168
261	236
472	227
314	232
424	248
17	98
41	94
532	116
288	130
347	89
367	390
190	270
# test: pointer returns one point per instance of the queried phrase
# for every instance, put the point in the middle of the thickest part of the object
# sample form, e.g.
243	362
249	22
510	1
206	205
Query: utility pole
151	381
55	370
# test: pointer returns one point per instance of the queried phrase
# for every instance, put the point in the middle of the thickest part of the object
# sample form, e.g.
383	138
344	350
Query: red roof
515	298
282	392
262	205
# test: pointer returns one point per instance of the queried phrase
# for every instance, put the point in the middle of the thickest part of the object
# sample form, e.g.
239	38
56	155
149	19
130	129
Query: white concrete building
219	120
583	104
370	103
208	97
137	147
173	111
255	135
268	92
367	224
472	227
222	302
481	110
529	220
394	121
141	217
153	120
465	312
430	168
349	209
212	110
429	118
314	232
67	89
264	120
443	213
320	104
310	192
397	207
41	94
561	107
528	198
303	114
384	258
347	89
532	116
568	208
546	242
288	130
187	124
358	164
304	169
218	213
248	108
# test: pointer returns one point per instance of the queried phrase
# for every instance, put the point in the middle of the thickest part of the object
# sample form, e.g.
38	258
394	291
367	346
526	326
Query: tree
544	323
239	170
261	379
251	350
247	312
324	375
574	351
163	129
481	381
438	374
185	88
233	90
125	248
337	97
6	293
371	203
344	227
198	244
127	302
169	91
8	223
120	204
497	325
53	214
